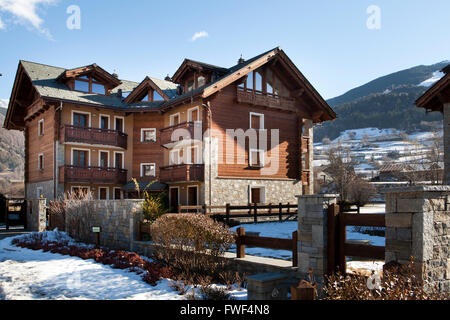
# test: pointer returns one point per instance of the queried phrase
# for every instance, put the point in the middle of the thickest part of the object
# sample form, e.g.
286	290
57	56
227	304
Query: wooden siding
227	114
36	145
147	152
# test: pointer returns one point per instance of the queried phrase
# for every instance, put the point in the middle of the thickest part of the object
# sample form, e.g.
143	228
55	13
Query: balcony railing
94	136
92	175
166	133
260	98
182	173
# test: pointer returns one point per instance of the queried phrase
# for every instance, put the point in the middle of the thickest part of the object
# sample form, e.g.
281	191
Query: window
249	83
256	121
145	98
201	81
104	121
103	159
41	127
148	170
193	114
157	96
119	160
89	84
80	191
258	81
190	85
148	135
119	124
80	119
80	158
175	119
41	161
256	158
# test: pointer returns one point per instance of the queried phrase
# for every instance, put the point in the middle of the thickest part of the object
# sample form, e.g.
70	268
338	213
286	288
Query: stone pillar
446	124
37	215
418	228
312	234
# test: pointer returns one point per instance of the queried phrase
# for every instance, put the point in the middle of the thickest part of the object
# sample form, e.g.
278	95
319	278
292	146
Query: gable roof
99	73
438	94
168	90
46	80
189	63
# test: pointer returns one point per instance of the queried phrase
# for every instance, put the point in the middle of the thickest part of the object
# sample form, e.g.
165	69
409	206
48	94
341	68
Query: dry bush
397	283
192	244
57	215
360	192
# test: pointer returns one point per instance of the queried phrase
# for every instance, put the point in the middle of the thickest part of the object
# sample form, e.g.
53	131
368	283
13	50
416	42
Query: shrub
214	293
397	283
192	244
154	206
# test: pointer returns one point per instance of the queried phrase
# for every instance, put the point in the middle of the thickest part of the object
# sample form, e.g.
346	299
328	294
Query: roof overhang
196	65
437	95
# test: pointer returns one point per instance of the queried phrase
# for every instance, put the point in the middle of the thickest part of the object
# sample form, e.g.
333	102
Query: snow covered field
29	274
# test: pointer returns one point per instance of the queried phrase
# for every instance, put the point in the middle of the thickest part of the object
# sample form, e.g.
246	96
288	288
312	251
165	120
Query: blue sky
328	40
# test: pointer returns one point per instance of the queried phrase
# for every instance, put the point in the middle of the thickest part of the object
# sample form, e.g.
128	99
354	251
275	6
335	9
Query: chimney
241	60
167	78
115	75
119	93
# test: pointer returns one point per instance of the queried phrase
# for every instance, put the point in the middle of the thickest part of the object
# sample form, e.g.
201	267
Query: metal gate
15	213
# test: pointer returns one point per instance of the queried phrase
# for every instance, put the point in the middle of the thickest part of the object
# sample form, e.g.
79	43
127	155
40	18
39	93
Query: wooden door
256	195
118	160
174	199
103	159
192	196
103	193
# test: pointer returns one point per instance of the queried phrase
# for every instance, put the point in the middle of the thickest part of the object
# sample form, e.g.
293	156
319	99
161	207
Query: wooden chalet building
437	98
86	129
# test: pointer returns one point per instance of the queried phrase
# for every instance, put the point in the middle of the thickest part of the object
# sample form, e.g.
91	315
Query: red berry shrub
151	271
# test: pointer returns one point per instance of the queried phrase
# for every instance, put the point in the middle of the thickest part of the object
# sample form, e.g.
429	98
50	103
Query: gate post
313	234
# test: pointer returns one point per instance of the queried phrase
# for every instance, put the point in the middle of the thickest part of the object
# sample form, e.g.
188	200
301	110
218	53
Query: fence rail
255	211
243	240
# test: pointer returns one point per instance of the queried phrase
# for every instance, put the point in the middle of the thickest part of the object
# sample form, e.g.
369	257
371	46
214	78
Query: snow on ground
284	230
28	274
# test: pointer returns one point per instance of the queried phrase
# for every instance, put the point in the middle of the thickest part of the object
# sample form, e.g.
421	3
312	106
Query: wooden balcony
182	173
166	133
92	175
94	136
260	98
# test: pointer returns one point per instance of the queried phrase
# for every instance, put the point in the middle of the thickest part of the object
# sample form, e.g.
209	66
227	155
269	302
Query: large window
80	119
89	84
264	81
80	158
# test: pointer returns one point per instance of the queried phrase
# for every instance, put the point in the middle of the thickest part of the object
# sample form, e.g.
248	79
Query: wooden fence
243	240
255	211
338	247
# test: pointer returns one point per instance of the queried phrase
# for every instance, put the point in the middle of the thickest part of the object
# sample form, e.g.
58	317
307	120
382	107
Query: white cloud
2	25
25	12
200	34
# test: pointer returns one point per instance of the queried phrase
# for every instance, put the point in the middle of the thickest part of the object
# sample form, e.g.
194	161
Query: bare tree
341	169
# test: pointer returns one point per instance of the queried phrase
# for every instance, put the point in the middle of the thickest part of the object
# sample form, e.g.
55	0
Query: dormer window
264	81
89	84
190	85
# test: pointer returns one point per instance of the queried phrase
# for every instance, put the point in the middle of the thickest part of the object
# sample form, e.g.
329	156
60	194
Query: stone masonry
312	234
117	220
418	228
36	215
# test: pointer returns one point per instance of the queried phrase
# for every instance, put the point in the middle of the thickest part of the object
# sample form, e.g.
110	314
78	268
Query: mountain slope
386	102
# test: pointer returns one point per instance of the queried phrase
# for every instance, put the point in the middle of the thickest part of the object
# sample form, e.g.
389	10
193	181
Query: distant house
411	172
437	98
